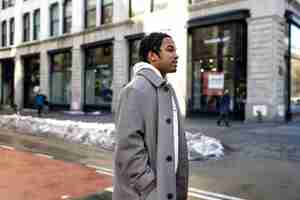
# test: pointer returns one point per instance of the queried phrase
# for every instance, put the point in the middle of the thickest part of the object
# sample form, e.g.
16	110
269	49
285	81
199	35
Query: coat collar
150	75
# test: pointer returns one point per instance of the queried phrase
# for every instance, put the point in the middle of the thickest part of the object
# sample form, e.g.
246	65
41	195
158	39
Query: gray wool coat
145	114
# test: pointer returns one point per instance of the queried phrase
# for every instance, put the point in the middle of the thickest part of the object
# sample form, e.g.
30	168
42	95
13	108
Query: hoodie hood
143	65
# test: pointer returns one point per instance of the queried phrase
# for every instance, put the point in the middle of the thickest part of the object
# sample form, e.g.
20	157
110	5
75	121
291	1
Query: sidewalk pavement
280	141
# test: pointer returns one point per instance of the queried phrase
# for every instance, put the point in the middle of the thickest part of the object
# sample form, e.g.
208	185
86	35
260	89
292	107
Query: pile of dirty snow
101	134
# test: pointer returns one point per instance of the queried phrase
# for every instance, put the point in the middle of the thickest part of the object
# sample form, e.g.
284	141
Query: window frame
86	14
26	27
36	26
54	21
67	29
11	31
131	13
103	7
157	10
4	33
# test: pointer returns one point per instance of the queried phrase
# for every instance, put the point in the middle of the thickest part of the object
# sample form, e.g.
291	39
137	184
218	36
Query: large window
54	20
136	7
99	76
90	13
67	16
61	64
157	5
11	31
26	27
295	70
218	62
106	11
4	33
36	24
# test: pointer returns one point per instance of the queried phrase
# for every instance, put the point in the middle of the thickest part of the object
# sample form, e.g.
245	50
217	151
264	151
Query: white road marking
222	196
104	172
99	168
202	197
44	155
7	147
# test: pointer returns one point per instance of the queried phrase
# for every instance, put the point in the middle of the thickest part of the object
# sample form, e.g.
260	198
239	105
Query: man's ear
152	56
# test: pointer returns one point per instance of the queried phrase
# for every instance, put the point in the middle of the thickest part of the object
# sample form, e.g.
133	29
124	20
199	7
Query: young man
150	160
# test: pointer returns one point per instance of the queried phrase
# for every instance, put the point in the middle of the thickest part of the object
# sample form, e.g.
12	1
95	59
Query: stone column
45	74
120	68
19	82
266	68
98	12
77	81
45	21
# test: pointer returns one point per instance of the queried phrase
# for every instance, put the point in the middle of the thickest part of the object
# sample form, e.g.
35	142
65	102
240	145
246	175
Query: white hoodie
143	65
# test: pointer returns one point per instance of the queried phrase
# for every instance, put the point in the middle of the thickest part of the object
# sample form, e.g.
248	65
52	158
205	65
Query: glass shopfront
295	70
98	77
31	79
60	79
217	62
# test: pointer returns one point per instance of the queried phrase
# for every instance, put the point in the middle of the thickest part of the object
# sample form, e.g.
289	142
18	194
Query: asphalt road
239	175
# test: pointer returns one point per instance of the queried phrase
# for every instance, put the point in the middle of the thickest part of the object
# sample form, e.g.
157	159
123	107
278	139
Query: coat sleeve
131	155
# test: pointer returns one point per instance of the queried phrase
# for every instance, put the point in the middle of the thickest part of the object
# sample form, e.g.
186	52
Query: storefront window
98	76
295	70
217	63
60	93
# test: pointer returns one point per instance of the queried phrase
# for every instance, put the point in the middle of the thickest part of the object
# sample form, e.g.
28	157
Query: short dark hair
151	42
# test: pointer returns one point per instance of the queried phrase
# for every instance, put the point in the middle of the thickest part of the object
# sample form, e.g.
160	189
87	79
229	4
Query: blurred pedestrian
40	101
150	161
224	109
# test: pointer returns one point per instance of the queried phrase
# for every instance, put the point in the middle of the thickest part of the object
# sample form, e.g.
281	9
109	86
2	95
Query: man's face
166	62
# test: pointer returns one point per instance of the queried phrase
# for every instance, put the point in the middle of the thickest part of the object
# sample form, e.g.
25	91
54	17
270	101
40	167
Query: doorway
31	78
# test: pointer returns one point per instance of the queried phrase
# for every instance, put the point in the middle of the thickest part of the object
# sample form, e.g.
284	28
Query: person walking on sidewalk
40	101
224	109
150	160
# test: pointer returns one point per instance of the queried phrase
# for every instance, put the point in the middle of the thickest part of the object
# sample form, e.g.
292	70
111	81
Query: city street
259	165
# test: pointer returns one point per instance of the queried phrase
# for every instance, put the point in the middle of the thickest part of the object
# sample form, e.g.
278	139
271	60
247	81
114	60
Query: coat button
166	89
169	158
168	120
170	196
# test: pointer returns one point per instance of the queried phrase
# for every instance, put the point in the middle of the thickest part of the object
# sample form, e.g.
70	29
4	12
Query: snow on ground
101	134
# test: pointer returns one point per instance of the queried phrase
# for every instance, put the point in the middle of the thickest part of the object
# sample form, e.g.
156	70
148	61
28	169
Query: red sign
213	83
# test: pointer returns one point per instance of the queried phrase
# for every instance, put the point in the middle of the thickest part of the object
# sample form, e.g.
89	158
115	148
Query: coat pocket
145	183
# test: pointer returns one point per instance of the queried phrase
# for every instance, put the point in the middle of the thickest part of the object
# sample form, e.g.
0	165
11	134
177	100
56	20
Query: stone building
80	53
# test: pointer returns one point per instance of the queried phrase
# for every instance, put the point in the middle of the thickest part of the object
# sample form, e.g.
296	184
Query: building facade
81	53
